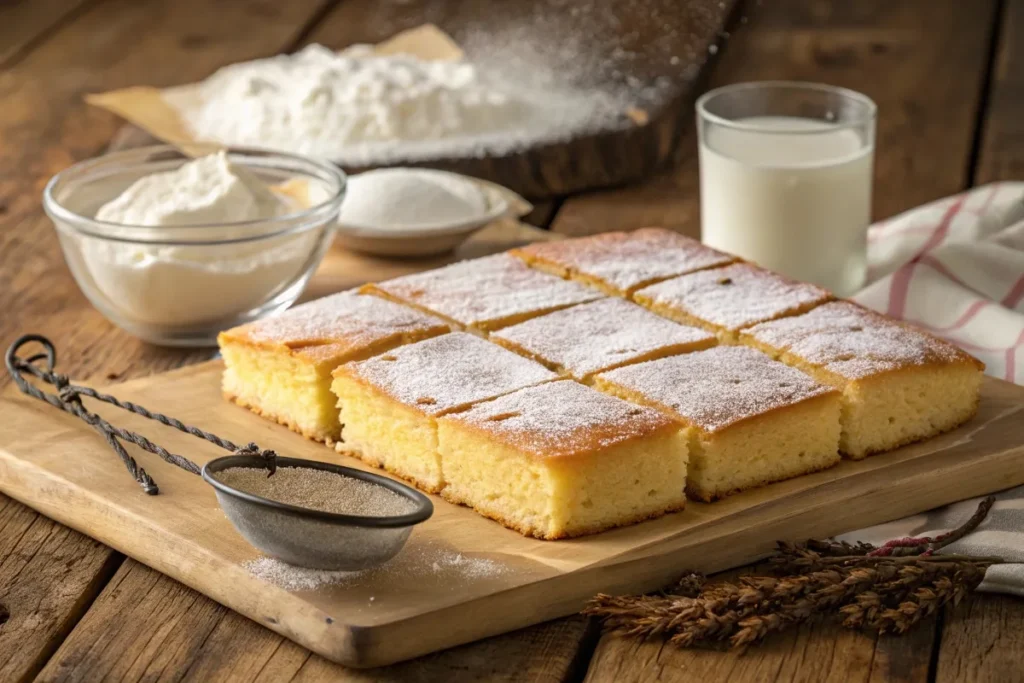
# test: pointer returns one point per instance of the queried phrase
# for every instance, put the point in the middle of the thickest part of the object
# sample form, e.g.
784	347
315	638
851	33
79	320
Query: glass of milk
785	178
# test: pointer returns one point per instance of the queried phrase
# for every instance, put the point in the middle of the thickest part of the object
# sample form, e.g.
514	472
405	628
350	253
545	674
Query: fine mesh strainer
296	535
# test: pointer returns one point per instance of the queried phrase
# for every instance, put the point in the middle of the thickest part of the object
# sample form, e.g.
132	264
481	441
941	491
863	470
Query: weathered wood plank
814	652
1002	143
53	573
146	627
982	640
24	23
890	51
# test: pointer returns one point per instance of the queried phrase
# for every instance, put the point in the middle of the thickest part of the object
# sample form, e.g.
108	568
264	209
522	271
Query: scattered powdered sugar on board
315	489
415	564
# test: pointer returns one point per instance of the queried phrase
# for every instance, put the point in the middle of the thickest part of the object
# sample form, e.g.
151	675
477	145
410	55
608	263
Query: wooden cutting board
434	596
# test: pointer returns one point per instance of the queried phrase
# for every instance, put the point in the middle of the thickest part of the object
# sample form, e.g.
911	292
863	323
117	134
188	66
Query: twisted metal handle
69	399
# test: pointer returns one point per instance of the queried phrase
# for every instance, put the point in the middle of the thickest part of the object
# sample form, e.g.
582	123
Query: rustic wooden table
948	77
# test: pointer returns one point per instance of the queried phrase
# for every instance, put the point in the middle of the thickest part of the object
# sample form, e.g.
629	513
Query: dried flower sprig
889	588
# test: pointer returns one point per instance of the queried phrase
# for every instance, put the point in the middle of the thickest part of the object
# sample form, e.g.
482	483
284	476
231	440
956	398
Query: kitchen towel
956	268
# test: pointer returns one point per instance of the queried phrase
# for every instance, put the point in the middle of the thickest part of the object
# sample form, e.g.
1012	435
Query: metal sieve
296	535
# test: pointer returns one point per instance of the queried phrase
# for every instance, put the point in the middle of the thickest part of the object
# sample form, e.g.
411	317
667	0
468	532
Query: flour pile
361	108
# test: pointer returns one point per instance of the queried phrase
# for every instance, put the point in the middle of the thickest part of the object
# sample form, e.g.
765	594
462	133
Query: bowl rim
497	206
82	223
423	511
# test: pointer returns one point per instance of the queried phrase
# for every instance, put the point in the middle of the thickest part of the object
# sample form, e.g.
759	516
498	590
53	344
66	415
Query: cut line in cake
484	294
619	263
708	376
899	384
281	367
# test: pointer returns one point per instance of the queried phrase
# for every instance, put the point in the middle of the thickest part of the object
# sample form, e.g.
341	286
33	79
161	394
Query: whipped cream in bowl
174	249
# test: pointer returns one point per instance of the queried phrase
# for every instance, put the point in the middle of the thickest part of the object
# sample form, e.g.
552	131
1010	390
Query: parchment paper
156	110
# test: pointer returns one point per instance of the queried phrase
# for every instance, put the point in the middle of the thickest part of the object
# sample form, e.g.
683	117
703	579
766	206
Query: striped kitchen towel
956	268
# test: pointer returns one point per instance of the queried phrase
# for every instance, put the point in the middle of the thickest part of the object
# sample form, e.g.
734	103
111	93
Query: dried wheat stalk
889	588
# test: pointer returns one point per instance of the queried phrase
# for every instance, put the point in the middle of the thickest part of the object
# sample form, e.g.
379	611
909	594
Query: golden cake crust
485	293
717	388
526	530
620	262
600	335
730	298
562	420
337	328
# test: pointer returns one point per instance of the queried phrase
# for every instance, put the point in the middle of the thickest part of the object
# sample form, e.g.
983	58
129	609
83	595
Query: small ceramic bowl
425	239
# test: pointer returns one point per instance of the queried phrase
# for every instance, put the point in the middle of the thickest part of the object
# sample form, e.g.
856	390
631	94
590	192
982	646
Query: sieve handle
69	399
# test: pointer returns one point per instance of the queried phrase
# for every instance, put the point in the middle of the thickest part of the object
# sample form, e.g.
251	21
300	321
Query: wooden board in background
666	43
59	466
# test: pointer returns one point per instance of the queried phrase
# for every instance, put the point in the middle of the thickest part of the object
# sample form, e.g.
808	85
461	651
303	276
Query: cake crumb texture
899	383
561	459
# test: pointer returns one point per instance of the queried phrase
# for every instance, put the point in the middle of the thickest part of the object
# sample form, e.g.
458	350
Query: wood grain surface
907	51
374	619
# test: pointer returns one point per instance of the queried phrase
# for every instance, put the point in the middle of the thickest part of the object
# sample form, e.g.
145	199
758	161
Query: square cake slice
281	367
389	403
899	384
486	293
620	262
561	459
600	335
753	420
725	300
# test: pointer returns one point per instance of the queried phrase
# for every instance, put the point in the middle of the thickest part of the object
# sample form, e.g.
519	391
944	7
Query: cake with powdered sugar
389	403
560	459
725	300
600	335
752	420
619	263
281	367
484	294
899	383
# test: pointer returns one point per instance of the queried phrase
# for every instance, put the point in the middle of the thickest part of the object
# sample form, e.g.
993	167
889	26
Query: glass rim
94	228
870	112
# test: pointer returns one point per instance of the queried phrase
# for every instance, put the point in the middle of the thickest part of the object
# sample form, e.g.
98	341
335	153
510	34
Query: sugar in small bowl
174	249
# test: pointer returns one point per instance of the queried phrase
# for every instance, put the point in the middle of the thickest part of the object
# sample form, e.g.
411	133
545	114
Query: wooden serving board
58	465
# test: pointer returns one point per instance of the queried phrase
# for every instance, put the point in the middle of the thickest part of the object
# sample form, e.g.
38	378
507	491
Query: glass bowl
181	285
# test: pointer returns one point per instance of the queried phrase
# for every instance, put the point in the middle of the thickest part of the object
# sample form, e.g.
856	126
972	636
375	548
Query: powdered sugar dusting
854	342
626	260
486	290
718	387
562	418
415	564
448	372
602	334
735	296
348	318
